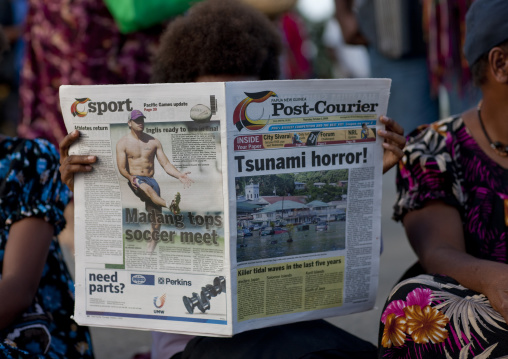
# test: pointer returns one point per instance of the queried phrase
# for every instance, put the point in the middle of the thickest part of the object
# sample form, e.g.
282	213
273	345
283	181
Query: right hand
495	289
394	142
71	164
134	183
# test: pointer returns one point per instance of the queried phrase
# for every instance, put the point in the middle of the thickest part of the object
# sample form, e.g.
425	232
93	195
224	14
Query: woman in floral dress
453	202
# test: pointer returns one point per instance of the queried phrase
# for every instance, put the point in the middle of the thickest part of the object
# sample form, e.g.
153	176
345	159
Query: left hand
393	144
185	180
71	164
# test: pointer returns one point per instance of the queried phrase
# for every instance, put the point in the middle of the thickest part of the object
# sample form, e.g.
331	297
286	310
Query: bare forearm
483	276
437	236
171	170
15	299
125	173
469	271
25	255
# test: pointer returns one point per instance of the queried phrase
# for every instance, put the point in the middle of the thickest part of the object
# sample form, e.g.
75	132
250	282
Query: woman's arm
25	254
394	142
436	235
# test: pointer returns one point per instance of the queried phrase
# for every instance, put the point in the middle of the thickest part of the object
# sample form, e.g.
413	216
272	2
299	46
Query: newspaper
224	207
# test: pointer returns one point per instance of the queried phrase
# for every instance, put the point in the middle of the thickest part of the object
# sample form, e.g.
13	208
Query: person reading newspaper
135	157
241	44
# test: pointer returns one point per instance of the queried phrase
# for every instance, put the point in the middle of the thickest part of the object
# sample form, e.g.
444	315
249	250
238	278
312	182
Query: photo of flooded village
290	214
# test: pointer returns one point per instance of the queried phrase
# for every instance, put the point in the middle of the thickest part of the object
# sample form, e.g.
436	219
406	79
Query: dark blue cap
486	27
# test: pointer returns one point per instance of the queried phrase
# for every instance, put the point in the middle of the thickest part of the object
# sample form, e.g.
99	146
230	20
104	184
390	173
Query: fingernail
88	168
382	132
91	158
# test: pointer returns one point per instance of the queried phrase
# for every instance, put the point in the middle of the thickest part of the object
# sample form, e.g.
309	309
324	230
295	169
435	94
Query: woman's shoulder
435	146
31	183
429	169
444	129
17	148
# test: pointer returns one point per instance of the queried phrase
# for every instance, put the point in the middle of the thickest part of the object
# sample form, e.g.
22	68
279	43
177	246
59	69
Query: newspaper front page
216	208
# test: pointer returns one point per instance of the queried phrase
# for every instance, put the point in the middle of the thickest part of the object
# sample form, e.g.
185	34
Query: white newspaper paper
224	207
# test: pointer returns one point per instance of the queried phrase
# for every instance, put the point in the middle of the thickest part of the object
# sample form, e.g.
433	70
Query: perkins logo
142	279
158	302
82	106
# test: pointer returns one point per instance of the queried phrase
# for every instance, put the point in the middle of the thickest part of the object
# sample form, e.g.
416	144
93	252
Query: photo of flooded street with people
291	214
285	244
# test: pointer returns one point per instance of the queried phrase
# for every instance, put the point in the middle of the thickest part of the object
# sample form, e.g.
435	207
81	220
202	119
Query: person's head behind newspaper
218	38
486	28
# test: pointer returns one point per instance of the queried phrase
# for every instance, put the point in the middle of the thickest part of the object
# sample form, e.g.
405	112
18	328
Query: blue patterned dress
30	185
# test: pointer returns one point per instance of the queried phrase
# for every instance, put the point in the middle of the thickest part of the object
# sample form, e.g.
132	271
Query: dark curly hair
218	37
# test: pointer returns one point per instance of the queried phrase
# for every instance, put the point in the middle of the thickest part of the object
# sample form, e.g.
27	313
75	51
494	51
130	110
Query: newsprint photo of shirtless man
135	156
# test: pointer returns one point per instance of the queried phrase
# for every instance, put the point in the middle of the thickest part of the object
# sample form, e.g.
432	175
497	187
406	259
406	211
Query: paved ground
396	258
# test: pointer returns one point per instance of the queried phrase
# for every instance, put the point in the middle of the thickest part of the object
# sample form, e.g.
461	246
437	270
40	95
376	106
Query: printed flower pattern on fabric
433	316
395	331
427	323
414	317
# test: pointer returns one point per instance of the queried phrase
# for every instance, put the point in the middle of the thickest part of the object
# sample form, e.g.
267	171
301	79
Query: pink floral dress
432	316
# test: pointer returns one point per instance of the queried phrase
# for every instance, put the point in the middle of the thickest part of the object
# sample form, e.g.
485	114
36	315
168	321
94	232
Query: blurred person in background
347	60
295	60
78	43
36	289
418	45
12	15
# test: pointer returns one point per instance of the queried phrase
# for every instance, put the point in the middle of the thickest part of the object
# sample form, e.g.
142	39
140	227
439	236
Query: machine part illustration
202	302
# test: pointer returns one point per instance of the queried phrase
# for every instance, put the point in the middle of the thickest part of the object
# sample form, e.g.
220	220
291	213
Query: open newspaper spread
216	208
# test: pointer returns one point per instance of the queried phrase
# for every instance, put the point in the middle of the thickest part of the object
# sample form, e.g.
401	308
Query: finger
398	139
392	125
71	169
395	149
68	171
78	160
66	143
